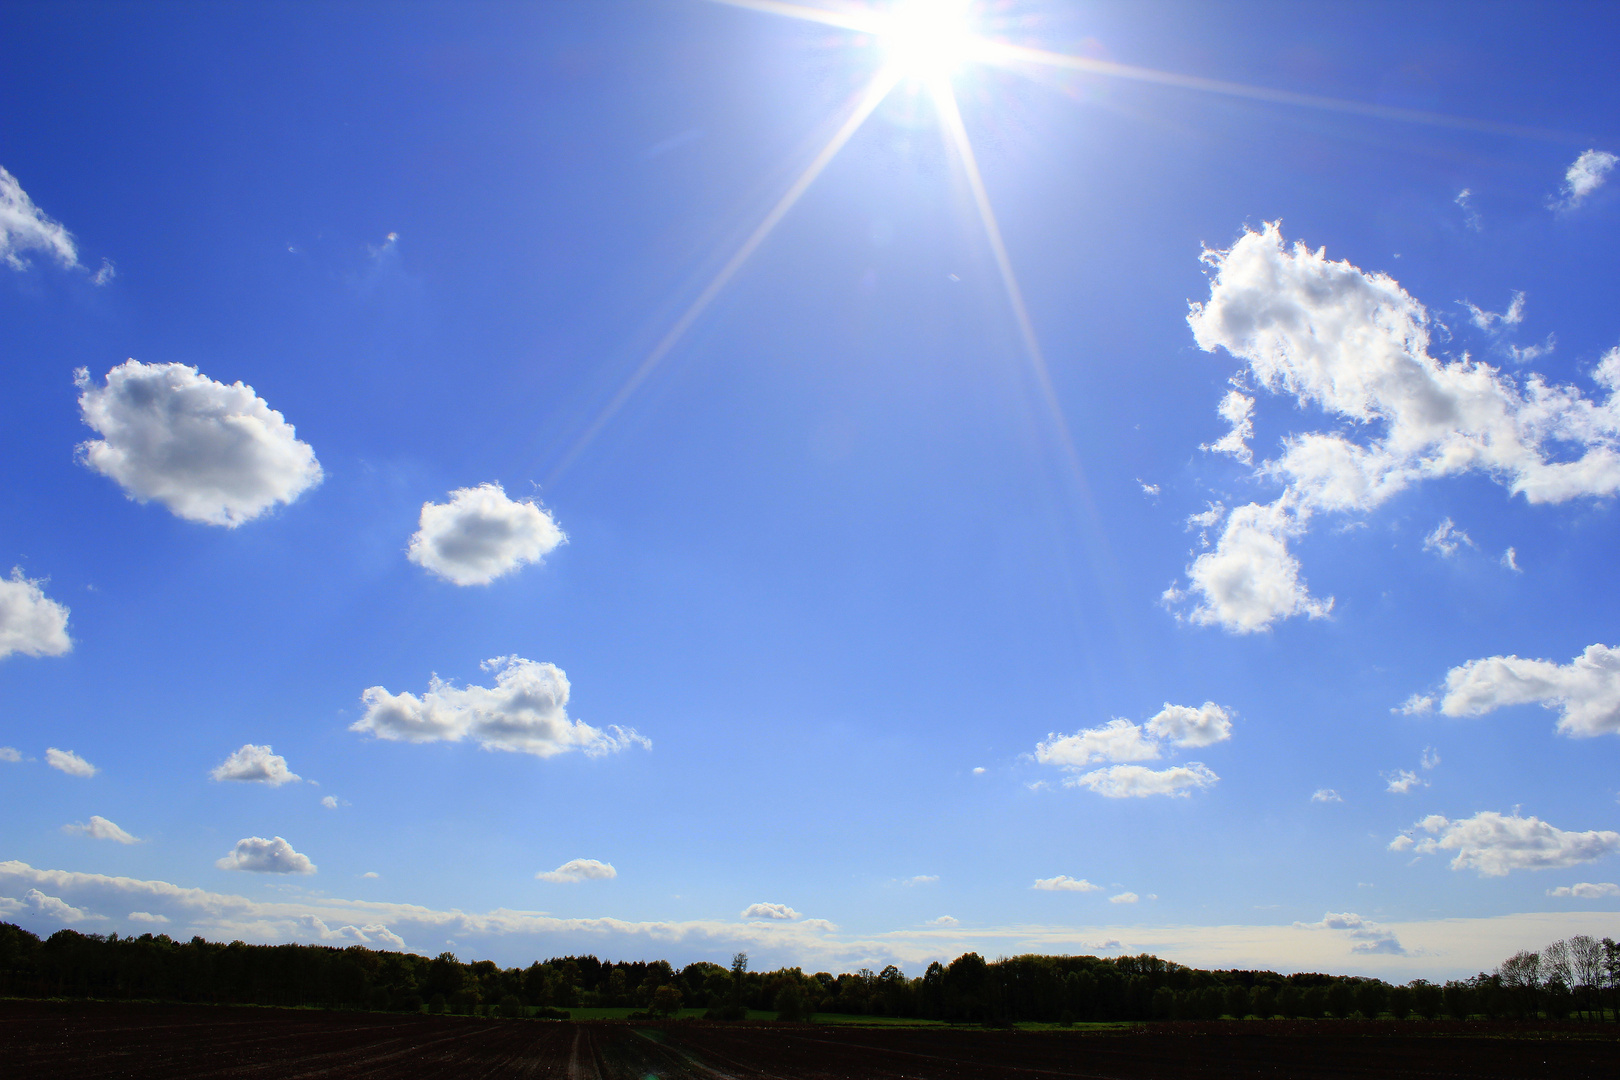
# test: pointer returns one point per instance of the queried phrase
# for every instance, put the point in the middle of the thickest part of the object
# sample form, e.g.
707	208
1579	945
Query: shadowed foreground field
89	1041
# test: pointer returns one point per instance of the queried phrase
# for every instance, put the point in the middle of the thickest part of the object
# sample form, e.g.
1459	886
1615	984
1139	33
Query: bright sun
927	39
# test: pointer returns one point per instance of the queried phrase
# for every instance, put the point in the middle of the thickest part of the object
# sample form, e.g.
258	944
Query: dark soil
94	1040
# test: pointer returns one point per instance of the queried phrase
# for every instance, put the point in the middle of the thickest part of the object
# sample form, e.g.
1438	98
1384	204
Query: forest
1576	978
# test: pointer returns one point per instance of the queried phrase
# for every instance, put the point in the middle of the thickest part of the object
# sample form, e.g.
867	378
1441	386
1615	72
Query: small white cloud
1150	490
1401	781
1368	935
147	917
1117	740
210	452
920	879
1586	890
576	870
376	934
1525	354
99	828
255	765
943	920
1431	758
1250	579
1472	220
480	535
769	911
1491	320
1124	898
1326	794
10	753
69	762
1510	559
1138	781
1585	691
978	770
257	855
25	227
1416	705
105	273
1236	409
1446	539
1186	725
1494	844
371	874
1065	883
1584	176
524	712
30	622
330	802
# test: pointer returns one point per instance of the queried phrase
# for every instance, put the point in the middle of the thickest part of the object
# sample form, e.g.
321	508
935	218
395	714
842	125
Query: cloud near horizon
212	453
256	855
577	870
1065	883
1355	345
1494	844
481	535
524	712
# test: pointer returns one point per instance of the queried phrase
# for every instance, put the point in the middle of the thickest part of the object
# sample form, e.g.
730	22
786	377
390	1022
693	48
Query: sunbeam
869	100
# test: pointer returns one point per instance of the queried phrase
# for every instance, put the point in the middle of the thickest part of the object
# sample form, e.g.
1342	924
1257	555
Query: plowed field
143	1042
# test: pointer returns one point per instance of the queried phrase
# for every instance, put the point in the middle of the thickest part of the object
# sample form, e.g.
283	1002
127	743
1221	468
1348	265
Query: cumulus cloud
257	855
10	753
943	920
1585	691
255	765
1446	539
1402	781
374	935
330	802
1117	740
1065	883
1355	346
1150	490
1586	890
1585	175
210	452
1185	725
1494	844
1124	898
24	227
147	917
1431	758
920	879
30	622
1326	794
53	907
575	870
480	535
99	828
524	712
1369	937
1416	705
1139	781
69	762
769	911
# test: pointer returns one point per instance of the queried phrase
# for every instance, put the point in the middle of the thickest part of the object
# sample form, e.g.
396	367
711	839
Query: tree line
1579	977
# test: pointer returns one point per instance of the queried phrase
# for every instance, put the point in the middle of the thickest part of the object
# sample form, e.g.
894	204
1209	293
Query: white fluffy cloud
1120	740
210	452
24	227
255	765
1585	175
525	711
1585	691
69	762
1491	320
1237	409
375	935
330	802
1326	794
1494	844
1139	781
769	911
257	855
920	879
1124	898
943	921
147	917
1586	890
54	907
481	534
575	870
1065	883
99	828
1355	346
10	754
30	622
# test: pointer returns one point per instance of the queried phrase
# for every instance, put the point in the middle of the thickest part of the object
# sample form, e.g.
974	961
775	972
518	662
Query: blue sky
831	587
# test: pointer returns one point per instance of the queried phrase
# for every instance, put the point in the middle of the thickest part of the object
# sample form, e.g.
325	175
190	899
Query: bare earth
90	1041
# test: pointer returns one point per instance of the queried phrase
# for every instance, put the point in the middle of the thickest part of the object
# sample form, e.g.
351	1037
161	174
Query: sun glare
928	39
